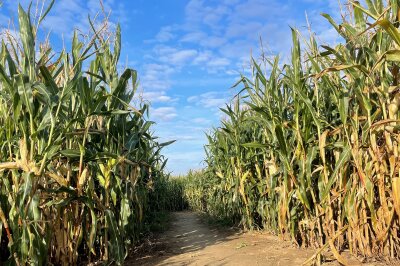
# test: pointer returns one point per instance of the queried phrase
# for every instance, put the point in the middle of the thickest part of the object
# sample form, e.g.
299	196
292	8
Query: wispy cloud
163	113
173	56
201	121
211	99
157	97
164	35
155	76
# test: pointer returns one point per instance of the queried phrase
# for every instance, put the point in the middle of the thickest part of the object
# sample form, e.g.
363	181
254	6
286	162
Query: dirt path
191	242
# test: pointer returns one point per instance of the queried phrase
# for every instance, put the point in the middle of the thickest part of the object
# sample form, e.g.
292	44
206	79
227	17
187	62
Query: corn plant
168	194
196	191
77	160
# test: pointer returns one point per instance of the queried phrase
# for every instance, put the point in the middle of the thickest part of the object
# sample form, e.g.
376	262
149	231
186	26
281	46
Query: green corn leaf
254	145
42	17
343	159
28	41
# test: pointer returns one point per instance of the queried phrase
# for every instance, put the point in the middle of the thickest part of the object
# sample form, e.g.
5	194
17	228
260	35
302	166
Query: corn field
309	149
78	162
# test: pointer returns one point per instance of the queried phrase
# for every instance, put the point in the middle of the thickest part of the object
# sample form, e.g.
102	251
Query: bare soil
189	241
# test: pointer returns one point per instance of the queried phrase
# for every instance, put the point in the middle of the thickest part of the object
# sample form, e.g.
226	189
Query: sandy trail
191	242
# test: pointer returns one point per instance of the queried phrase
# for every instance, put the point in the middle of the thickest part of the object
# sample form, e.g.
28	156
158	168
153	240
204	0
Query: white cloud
210	62
213	41
157	97
194	36
241	29
219	62
165	34
174	56
201	120
163	113
203	57
155	76
208	100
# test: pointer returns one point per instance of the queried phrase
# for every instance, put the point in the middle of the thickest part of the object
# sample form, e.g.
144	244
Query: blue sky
189	53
